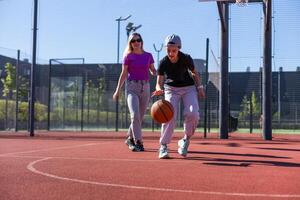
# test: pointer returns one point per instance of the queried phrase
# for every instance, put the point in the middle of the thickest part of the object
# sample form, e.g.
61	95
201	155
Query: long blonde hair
129	48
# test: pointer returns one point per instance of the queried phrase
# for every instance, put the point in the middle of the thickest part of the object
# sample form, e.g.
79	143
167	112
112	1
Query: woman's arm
152	70
198	84
159	86
196	77
159	82
121	81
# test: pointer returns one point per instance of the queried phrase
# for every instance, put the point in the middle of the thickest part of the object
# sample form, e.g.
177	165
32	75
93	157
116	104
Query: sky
88	29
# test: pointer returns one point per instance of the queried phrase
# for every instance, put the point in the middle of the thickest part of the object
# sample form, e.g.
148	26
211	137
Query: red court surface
71	166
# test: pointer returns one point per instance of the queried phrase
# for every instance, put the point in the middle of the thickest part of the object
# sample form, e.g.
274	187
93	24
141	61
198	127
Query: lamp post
119	20
158	51
154	99
17	90
118	60
130	28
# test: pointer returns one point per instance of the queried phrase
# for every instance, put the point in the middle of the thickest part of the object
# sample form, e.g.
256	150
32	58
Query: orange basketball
162	111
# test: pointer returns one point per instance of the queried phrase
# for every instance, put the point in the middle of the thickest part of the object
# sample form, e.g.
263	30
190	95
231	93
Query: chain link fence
80	98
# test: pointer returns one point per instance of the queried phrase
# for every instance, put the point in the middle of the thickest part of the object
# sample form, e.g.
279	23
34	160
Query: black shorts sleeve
190	62
161	68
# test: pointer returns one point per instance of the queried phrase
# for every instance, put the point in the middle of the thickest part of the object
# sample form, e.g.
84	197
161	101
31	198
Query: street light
119	20
158	51
130	28
118	55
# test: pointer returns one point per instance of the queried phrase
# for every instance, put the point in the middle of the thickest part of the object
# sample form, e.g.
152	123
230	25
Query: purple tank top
138	65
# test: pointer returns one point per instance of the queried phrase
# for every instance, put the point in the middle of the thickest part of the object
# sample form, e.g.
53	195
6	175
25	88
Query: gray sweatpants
138	96
189	97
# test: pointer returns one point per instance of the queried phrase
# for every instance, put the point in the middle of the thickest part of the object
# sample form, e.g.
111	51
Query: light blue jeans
189	97
138	96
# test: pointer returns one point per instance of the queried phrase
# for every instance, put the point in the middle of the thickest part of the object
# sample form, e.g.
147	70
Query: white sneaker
183	146
163	152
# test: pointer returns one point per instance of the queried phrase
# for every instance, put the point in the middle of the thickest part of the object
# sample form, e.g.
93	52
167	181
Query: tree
245	107
100	92
255	105
9	82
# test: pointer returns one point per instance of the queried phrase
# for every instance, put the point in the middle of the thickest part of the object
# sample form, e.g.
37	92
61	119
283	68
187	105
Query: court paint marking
169	161
91	158
31	168
55	148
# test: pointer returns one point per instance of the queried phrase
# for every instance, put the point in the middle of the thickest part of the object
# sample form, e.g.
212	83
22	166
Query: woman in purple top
136	66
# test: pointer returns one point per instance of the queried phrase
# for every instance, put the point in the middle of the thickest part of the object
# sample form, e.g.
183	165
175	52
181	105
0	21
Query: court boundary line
31	168
55	148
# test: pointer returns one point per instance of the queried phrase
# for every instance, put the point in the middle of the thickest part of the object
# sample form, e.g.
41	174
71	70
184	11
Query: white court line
86	158
169	161
31	168
50	149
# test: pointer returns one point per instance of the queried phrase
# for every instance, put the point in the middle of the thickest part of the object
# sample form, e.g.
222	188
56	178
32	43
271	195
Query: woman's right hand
116	95
157	93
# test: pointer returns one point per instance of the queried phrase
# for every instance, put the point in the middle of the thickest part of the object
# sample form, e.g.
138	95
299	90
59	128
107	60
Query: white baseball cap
173	40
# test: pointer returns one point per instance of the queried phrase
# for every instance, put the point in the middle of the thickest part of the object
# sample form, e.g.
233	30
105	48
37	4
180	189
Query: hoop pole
206	84
223	95
17	91
267	73
33	66
49	95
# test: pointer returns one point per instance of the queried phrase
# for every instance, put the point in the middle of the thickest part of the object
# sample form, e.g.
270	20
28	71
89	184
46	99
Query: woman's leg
134	109
144	98
191	111
167	129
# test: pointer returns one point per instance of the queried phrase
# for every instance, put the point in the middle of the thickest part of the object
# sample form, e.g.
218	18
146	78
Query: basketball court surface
68	165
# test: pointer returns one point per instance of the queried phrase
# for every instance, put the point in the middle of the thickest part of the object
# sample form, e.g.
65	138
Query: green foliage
9	82
23	111
40	111
23	88
70	115
245	107
275	116
256	107
2	109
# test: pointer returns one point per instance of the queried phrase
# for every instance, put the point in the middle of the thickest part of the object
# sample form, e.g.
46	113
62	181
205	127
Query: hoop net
241	2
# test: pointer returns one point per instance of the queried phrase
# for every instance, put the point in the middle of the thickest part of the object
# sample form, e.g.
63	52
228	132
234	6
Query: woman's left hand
153	72
201	92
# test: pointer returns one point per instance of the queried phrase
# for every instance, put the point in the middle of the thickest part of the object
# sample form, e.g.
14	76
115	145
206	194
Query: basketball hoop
241	3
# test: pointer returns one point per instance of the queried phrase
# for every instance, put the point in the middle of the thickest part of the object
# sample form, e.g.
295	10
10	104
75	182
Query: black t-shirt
176	74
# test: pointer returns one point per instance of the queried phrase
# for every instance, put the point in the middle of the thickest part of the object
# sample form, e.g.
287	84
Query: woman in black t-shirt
177	78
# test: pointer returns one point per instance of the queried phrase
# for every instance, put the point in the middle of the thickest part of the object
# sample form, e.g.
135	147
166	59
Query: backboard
234	1
212	0
237	2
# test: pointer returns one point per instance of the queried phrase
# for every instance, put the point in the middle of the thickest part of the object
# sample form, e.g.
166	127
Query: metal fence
80	98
